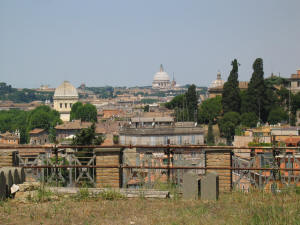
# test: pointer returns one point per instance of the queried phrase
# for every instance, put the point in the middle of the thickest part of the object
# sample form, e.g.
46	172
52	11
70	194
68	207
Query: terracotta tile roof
9	135
36	131
292	140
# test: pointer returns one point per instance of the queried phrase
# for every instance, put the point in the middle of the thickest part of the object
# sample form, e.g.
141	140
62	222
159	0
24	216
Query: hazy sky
124	42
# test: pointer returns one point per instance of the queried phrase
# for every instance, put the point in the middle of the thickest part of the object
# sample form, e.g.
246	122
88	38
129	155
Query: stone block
8	179
210	187
190	186
3	188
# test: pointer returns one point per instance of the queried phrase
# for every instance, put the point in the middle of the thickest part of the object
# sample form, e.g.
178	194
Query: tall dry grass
231	208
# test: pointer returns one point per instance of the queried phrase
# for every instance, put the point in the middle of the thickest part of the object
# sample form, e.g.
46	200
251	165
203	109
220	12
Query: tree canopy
210	110
228	124
86	112
24	121
87	136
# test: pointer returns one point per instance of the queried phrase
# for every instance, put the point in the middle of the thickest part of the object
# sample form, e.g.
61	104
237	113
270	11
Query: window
193	139
165	140
66	105
70	105
289	164
60	105
152	140
134	139
180	140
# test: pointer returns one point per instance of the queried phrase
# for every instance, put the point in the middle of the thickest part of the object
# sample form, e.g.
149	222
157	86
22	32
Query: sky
123	43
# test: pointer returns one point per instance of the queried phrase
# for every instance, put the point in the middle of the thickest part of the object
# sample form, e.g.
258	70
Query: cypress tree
192	102
256	91
231	99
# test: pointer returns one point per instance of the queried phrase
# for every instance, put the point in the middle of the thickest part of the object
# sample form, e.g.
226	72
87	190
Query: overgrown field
233	208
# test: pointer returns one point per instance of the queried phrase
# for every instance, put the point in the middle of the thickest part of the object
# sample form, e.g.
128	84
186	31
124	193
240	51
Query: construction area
149	185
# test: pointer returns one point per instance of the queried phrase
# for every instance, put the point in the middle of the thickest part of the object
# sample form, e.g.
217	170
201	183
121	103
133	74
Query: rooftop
36	131
66	89
161	131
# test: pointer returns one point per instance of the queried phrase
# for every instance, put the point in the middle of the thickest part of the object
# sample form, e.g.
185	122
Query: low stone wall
220	158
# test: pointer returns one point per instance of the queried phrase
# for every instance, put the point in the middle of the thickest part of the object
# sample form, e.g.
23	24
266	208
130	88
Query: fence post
220	158
108	177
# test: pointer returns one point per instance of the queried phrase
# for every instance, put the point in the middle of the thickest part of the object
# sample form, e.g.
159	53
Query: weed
111	195
43	195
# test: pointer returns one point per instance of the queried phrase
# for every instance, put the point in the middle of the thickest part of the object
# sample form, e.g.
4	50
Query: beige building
294	82
64	97
156	136
39	137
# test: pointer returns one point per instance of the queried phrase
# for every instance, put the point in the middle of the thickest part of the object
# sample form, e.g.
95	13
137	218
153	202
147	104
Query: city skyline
123	44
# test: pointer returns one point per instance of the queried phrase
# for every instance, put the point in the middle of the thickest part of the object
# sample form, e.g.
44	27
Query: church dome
161	75
66	89
218	82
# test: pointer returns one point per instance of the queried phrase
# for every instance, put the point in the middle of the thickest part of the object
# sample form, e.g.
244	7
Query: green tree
192	102
231	100
87	136
210	135
86	112
210	110
277	115
176	102
256	91
249	119
228	124
43	117
146	108
74	114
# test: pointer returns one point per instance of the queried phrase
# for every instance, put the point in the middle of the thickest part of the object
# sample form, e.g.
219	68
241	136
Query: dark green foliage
210	135
43	117
102	92
74	114
295	103
228	124
249	119
185	105
283	97
277	115
146	108
86	112
176	102
210	110
231	100
87	136
274	80
256	97
192	102
13	120
24	95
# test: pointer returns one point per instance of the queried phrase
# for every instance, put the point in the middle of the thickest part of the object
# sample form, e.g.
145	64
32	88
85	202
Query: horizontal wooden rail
159	167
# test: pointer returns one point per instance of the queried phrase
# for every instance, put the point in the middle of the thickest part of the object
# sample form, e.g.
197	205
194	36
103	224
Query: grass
232	208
